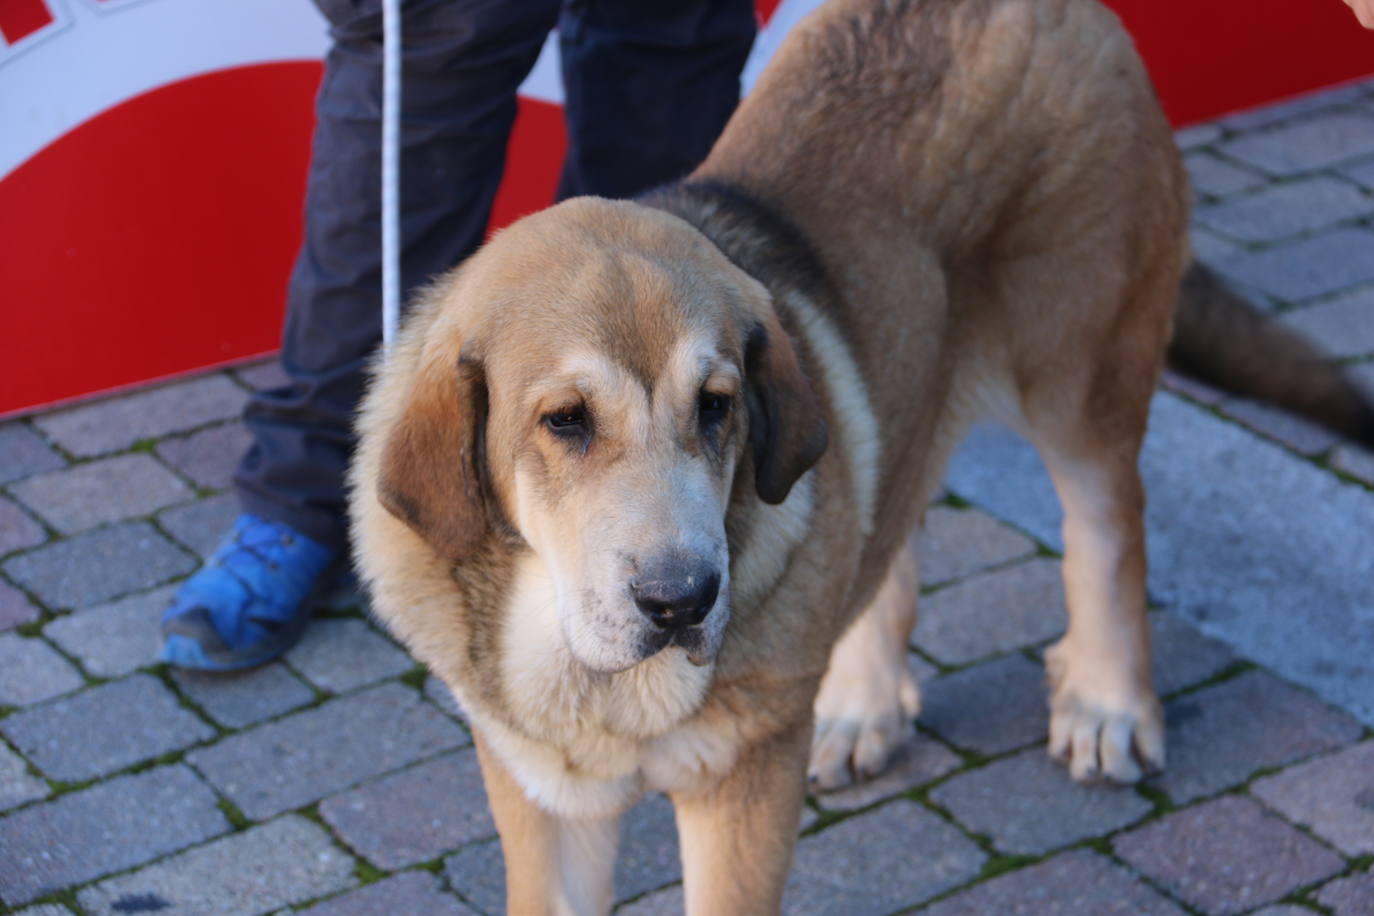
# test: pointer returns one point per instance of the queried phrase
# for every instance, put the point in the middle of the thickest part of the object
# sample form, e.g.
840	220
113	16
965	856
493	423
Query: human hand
1364	11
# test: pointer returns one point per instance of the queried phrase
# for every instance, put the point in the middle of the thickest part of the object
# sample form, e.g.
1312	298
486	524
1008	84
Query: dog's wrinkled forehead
607	277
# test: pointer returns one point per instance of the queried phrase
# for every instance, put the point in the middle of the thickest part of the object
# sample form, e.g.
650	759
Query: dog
638	479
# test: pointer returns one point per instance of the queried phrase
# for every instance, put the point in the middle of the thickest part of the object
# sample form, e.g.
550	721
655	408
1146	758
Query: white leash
391	170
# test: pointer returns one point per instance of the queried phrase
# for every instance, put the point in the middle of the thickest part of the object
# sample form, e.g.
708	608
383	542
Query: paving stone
265	374
1284	210
1308	103
668	902
916	761
99	565
319	751
1342	327
920	669
31	670
235	699
1076	883
1028	805
201	525
17	529
209	457
1217	177
894	856
15	607
114	424
23	452
1362	172
1209	247
479	874
1321	264
1219	735
412	892
958	542
649	856
111	826
439	693
289	860
1353	460
98	492
1183	656
1300	435
114	639
341	654
1306	145
120	723
990	707
415	815
1284	909
45	909
1353	896
1333	795
1226	856
995	612
1197	135
17	785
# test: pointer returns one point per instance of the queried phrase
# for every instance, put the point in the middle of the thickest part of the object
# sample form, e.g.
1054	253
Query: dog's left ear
431	462
787	430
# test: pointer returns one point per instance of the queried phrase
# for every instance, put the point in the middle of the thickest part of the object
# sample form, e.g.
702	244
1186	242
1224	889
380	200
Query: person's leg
649	87
462	61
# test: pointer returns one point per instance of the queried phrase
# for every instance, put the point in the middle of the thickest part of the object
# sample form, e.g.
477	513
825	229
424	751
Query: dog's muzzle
676	593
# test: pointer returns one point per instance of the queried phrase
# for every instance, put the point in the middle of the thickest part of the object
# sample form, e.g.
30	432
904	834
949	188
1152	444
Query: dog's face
597	376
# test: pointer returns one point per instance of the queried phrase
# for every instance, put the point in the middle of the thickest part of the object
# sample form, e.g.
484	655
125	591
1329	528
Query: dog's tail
1225	341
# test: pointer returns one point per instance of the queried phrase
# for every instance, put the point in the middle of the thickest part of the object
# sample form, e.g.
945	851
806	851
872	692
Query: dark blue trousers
649	85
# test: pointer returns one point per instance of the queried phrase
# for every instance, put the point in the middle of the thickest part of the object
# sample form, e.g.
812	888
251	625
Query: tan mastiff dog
594	492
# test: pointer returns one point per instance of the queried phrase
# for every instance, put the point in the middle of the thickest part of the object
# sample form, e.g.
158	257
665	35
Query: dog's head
596	377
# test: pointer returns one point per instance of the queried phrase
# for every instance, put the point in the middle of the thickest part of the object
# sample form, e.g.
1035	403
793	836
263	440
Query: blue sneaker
251	600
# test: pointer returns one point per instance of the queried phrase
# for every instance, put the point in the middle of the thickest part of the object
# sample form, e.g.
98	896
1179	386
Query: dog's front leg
738	835
554	866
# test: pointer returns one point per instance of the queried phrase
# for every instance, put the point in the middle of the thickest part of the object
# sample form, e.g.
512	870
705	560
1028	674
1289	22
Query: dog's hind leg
869	695
1105	720
554	866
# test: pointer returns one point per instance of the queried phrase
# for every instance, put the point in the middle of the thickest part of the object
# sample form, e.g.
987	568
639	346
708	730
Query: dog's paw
1101	726
860	721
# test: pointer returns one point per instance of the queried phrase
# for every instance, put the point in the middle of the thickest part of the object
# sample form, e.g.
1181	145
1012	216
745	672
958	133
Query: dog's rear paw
1100	728
859	723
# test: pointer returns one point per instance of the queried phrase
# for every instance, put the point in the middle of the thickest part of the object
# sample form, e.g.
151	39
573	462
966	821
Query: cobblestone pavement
341	780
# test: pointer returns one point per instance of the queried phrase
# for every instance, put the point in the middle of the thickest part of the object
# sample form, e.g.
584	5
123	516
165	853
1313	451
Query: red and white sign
153	155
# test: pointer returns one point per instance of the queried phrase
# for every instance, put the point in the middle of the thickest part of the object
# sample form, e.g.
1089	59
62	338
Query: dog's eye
712	408
568	421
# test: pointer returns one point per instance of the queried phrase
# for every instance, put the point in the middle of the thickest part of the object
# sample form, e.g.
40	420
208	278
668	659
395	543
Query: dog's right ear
431	475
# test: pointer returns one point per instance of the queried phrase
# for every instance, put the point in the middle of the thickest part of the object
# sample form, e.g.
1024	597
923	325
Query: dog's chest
586	742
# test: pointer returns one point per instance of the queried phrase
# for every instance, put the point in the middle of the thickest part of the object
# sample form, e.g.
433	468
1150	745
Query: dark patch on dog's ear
431	476
787	431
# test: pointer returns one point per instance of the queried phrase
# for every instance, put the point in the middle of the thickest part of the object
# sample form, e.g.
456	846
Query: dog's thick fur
925	211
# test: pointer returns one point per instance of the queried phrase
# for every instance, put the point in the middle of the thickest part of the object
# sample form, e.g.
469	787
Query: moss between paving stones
163	672
66	897
237	819
367	873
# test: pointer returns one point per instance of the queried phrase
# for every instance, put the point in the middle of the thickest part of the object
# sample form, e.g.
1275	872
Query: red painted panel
1210	57
533	163
21	18
144	259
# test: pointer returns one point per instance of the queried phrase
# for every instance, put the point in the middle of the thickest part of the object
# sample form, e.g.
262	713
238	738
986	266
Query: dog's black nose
680	599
